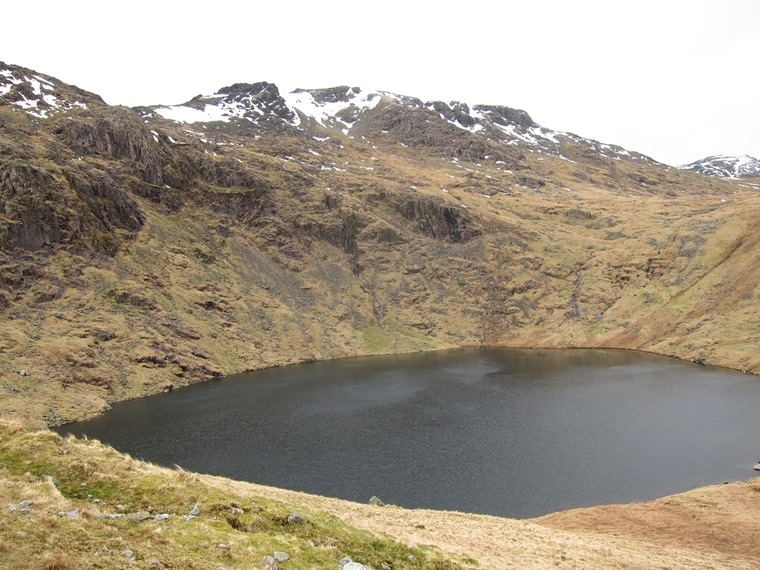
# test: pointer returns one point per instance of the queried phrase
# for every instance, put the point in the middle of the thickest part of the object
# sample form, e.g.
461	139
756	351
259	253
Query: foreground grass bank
79	504
69	504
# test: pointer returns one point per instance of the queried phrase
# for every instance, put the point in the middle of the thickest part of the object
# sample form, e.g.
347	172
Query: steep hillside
146	249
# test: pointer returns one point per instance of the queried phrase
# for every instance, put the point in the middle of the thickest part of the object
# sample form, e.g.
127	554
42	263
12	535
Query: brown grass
57	562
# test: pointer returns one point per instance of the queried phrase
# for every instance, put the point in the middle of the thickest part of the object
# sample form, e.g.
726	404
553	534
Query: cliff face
145	249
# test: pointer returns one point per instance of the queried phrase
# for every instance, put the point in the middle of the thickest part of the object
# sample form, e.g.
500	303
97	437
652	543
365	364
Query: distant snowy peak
727	166
39	95
355	112
342	108
262	104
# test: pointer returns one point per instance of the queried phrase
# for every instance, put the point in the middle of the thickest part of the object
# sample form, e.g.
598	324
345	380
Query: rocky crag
145	249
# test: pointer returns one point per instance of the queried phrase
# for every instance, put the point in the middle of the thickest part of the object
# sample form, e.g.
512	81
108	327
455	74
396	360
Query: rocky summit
146	249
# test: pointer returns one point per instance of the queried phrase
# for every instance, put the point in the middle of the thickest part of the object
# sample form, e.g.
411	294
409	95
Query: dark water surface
508	432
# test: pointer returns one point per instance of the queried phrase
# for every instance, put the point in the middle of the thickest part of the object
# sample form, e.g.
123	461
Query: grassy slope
714	527
61	476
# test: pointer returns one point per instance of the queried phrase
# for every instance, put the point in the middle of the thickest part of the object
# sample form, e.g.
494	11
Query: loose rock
295	518
352	566
23	508
139	516
269	563
195	511
236	511
373	500
281	556
162	517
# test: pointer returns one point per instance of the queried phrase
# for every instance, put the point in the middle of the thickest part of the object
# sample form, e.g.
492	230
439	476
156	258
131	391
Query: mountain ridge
343	108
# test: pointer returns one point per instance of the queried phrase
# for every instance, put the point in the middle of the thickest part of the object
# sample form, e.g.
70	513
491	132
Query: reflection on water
500	431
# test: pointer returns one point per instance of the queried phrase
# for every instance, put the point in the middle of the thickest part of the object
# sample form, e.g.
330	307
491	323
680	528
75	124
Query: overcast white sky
677	80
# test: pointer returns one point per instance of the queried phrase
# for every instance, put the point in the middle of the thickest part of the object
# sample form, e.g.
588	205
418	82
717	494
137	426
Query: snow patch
326	113
183	114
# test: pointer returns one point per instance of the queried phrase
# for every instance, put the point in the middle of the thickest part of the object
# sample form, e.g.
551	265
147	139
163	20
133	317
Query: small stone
156	563
122	508
162	517
23	373
295	518
196	510
223	546
373	500
410	558
280	556
236	511
129	554
269	563
25	504
385	566
139	516
253	501
73	514
21	533
353	566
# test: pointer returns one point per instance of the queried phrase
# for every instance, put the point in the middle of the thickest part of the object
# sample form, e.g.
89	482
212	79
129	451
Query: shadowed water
508	432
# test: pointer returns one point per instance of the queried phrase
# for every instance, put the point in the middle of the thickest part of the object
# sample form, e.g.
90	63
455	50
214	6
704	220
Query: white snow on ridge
546	134
304	102
183	114
43	91
727	166
11	81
